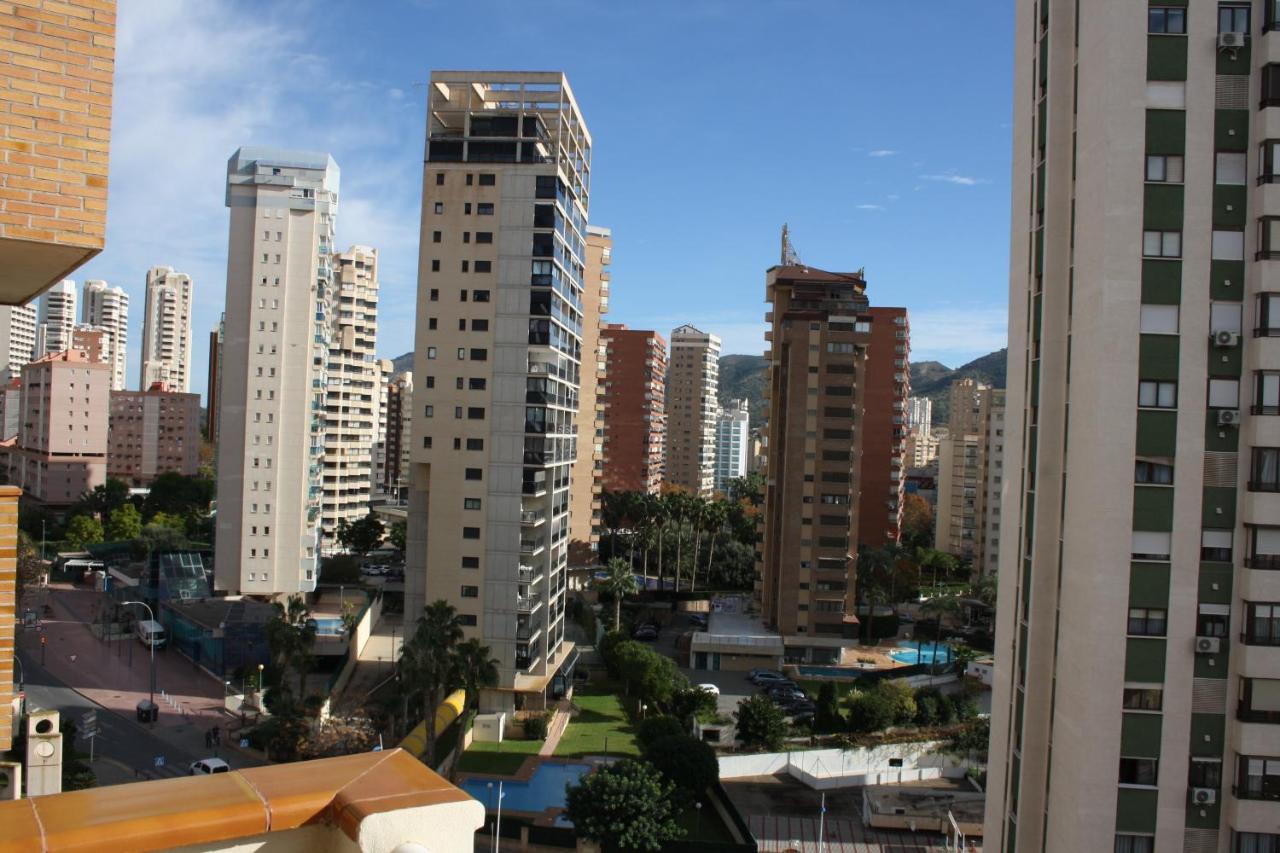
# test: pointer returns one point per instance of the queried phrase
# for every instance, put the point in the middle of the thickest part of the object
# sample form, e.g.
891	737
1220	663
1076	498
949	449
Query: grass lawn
503	759
600	718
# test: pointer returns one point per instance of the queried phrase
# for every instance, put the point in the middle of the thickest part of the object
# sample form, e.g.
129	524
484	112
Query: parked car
786	685
765	676
209	766
647	633
698	620
799	706
783	694
710	688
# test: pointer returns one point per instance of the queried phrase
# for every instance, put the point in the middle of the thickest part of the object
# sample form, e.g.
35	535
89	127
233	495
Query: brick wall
8	605
56	66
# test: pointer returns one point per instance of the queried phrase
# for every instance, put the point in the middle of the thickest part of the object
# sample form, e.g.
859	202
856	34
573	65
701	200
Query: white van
150	633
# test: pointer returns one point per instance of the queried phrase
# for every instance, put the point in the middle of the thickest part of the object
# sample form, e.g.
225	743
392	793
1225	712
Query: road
125	743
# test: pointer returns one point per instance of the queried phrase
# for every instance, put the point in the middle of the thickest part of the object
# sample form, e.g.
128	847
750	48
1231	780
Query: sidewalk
116	674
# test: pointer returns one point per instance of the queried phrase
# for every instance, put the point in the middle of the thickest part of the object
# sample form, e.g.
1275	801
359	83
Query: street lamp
259	686
151	643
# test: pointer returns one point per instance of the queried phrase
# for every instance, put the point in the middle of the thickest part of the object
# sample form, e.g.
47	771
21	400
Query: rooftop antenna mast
789	256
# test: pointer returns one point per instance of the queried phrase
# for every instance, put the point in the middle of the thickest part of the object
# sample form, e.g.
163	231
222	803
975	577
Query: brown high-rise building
820	329
634	409
152	432
585	476
884	428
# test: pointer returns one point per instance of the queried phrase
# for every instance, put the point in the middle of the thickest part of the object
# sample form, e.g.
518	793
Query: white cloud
951	178
954	334
881	152
870	206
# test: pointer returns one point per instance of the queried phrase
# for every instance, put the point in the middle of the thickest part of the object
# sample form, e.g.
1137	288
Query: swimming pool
544	790
922	654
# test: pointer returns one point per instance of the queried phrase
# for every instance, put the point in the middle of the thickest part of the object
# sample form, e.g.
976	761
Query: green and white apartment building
1137	700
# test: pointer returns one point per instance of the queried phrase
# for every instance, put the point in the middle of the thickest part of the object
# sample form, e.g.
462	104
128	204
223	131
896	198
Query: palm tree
475	670
984	589
659	515
717	513
290	636
619	580
612	507
429	665
873	567
939	607
697	521
678	509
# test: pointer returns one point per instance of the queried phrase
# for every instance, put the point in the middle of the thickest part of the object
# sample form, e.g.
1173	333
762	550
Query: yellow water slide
446	712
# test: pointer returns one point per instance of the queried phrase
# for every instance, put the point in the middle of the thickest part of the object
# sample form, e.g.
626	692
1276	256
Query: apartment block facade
393	475
106	307
153	432
273	373
57	318
17	338
1136	703
970	475
213	381
819	334
586	478
634	409
693	382
498	358
61	451
733	443
884	428
166	330
351	405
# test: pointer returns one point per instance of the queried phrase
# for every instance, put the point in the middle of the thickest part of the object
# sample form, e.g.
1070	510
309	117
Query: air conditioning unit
1228	417
1225	338
1230	41
1208	645
1204	796
10	780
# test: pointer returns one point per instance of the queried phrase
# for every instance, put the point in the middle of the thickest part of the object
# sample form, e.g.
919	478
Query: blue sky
880	130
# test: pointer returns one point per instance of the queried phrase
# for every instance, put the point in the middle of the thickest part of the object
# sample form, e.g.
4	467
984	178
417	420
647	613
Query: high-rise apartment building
884	428
733	443
11	408
586	477
17	339
634	409
213	382
106	307
920	415
57	318
166	330
693	382
153	432
820	329
393	481
970	467
497	362
1136	703
274	368
351	402
61	451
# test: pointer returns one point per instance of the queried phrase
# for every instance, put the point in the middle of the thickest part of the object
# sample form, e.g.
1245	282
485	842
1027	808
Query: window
484	236
476	384
1264	470
1271	84
1224	393
1228	246
471	533
480	295
484	266
1268	237
428	411
479	325
1215	545
1205	773
431	324
466	266
1162	244
1225	317
1212	620
1150	545
475	444
467	620
431	382
1231	168
1266	393
439	207
470	562
435	294
1259	700
439	179
1143	698
1233	19
1139	771
475	413
1153	473
1167	20
473	474
435	265
466	208
1262	624
1258	778
484	208
1146	622
470	178
1267	323
1153	394
466	236
426	442
1135	844
431	352
1264	547
457	412
470	503
462	353
1166	94
1159	319
435	236
1269	161
479	354
488	179
471	592
1164	168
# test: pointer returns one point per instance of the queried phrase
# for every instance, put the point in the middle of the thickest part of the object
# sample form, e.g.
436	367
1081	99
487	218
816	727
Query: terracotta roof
167	813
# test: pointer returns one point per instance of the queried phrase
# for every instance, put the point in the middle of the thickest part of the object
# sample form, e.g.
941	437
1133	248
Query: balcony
528	603
529	518
1270	562
531	547
1251	639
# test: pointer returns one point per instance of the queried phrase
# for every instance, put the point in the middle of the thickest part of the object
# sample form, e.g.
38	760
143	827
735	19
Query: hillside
401	363
743	376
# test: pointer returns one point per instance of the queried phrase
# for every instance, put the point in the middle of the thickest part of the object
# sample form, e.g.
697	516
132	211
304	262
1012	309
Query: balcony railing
1246	714
1264	410
1263	561
1264	485
1251	639
1267	788
528	603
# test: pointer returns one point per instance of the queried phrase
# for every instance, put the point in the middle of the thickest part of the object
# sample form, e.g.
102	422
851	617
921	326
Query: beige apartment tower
498	358
273	373
166	330
57	317
819	332
970	469
351	402
586	477
17	338
1136	704
693	382
107	308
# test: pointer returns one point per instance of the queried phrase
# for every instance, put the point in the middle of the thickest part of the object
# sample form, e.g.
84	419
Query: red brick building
884	428
634	409
152	432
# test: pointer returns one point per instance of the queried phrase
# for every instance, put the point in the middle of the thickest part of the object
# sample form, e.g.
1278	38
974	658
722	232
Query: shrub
760	723
901	699
535	728
687	762
827	716
653	729
926	710
869	712
624	806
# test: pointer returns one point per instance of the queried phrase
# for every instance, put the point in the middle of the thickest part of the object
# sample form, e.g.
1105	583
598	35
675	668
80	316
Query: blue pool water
328	626
544	790
924	654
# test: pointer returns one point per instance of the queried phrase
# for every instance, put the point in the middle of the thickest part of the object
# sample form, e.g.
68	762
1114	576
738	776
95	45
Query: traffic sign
244	743
159	761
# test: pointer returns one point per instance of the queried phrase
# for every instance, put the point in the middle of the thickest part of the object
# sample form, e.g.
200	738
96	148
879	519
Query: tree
428	664
938	608
827	717
105	498
686	704
125	522
650	677
162	537
291	635
687	762
917	522
901	699
736	568
652	729
476	669
173	521
179	495
984	589
30	566
869	711
760	723
340	568
396	534
362	536
624	806
714	516
619	580
83	530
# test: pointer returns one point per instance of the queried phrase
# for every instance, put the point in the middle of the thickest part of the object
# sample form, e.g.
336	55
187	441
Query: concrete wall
835	768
